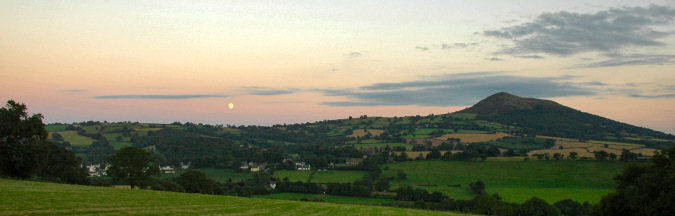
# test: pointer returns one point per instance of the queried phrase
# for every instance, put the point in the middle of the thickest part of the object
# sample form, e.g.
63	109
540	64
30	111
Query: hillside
37	198
545	117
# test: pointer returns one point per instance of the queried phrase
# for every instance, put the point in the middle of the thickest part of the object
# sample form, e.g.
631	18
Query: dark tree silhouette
20	137
133	166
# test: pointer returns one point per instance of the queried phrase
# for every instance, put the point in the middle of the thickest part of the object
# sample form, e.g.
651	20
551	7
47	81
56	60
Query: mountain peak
503	102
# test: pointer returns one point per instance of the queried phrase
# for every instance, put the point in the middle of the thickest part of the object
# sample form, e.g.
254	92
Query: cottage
167	170
302	166
354	161
185	166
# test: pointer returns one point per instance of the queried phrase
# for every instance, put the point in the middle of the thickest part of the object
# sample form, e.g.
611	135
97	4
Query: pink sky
165	61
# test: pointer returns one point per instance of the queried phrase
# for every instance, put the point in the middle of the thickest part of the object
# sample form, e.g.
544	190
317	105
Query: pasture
38	198
362	132
337	176
221	175
75	139
474	137
515	181
326	198
585	149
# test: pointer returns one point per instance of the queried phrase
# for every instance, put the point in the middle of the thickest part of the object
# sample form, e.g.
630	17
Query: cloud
565	33
162	97
422	48
263	91
458	45
73	90
652	96
456	90
594	83
355	54
531	56
494	59
633	59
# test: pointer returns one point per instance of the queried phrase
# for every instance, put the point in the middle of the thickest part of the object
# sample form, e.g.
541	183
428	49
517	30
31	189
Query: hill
37	198
545	117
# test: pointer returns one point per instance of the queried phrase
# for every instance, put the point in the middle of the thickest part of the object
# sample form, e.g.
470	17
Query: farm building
302	166
167	170
354	161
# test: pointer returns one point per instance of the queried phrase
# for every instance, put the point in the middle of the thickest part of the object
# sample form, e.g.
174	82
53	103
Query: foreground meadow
37	198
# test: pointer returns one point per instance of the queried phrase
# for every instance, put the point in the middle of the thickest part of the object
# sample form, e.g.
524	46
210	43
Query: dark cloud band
162	97
456	90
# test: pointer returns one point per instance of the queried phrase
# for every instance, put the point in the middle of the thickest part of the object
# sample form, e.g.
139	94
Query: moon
231	106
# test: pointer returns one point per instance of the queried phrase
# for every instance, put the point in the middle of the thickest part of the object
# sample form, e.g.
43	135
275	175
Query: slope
37	198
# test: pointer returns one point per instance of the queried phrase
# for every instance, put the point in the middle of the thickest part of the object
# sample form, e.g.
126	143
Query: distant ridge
549	118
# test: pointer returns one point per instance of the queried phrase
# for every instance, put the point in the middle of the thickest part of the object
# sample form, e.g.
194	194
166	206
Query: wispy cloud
355	54
458	45
494	59
652	96
74	90
422	48
263	91
531	56
162	96
456	90
633	59
566	33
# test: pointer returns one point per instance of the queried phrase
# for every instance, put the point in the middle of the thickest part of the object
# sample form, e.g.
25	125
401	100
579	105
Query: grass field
76	139
55	128
362	133
383	145
585	149
515	181
327	198
321	176
37	198
221	175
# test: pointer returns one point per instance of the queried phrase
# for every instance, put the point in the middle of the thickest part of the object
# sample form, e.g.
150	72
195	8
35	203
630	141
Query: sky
304	61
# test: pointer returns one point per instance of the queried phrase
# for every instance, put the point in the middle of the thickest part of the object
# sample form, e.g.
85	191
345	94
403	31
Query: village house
167	170
96	170
354	161
302	166
185	166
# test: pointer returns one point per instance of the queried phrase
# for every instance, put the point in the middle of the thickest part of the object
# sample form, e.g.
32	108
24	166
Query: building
167	170
185	166
96	170
302	166
354	161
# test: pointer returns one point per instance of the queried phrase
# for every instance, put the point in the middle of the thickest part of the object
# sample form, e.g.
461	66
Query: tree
434	154
643	189
536	206
195	181
133	166
477	187
400	175
61	165
20	137
382	184
570	207
573	155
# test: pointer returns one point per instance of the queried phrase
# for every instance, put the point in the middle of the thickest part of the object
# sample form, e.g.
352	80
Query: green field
383	145
55	128
515	181
327	198
321	176
76	139
221	175
37	198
